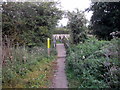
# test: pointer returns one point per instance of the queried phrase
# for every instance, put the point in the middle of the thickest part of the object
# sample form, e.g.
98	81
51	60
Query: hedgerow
94	64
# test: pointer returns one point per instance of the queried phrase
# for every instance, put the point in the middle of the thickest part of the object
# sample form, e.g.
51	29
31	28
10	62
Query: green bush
94	63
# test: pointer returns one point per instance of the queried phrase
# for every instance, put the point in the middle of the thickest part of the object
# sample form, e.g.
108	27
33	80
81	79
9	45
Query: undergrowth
94	64
27	67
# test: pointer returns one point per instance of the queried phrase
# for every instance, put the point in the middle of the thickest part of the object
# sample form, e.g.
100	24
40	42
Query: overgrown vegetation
35	74
94	64
25	28
29	23
27	67
76	24
90	63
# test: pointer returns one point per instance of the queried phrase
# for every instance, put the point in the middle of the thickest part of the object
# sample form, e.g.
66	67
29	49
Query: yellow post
48	42
48	45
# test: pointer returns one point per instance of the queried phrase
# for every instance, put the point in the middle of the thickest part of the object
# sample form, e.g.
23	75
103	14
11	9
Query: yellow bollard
48	46
48	42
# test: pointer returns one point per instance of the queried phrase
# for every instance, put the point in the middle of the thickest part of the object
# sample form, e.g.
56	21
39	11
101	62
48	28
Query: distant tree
105	19
76	24
29	23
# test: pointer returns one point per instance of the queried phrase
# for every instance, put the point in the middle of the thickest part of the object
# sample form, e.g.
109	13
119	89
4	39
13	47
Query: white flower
83	57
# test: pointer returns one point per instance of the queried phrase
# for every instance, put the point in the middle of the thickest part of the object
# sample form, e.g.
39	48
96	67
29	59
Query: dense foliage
76	24
105	19
26	24
29	23
94	64
27	68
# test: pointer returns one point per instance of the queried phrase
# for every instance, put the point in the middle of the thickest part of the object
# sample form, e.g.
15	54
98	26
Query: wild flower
11	57
83	57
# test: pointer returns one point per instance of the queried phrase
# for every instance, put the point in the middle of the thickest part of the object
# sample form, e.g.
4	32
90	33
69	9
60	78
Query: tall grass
18	60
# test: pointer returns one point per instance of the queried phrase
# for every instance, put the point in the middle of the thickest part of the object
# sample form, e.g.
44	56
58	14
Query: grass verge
39	75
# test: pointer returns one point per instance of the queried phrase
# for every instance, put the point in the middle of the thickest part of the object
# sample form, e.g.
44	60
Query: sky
71	5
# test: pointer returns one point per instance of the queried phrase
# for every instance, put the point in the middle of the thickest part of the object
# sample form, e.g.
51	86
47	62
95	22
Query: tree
29	23
105	19
76	24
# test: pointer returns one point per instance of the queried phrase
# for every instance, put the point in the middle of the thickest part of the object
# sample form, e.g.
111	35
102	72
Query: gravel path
60	79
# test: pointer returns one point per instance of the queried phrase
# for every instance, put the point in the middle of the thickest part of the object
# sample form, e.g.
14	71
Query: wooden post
48	46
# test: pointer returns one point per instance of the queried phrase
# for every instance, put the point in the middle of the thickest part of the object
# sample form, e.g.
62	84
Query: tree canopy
29	23
105	19
76	24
